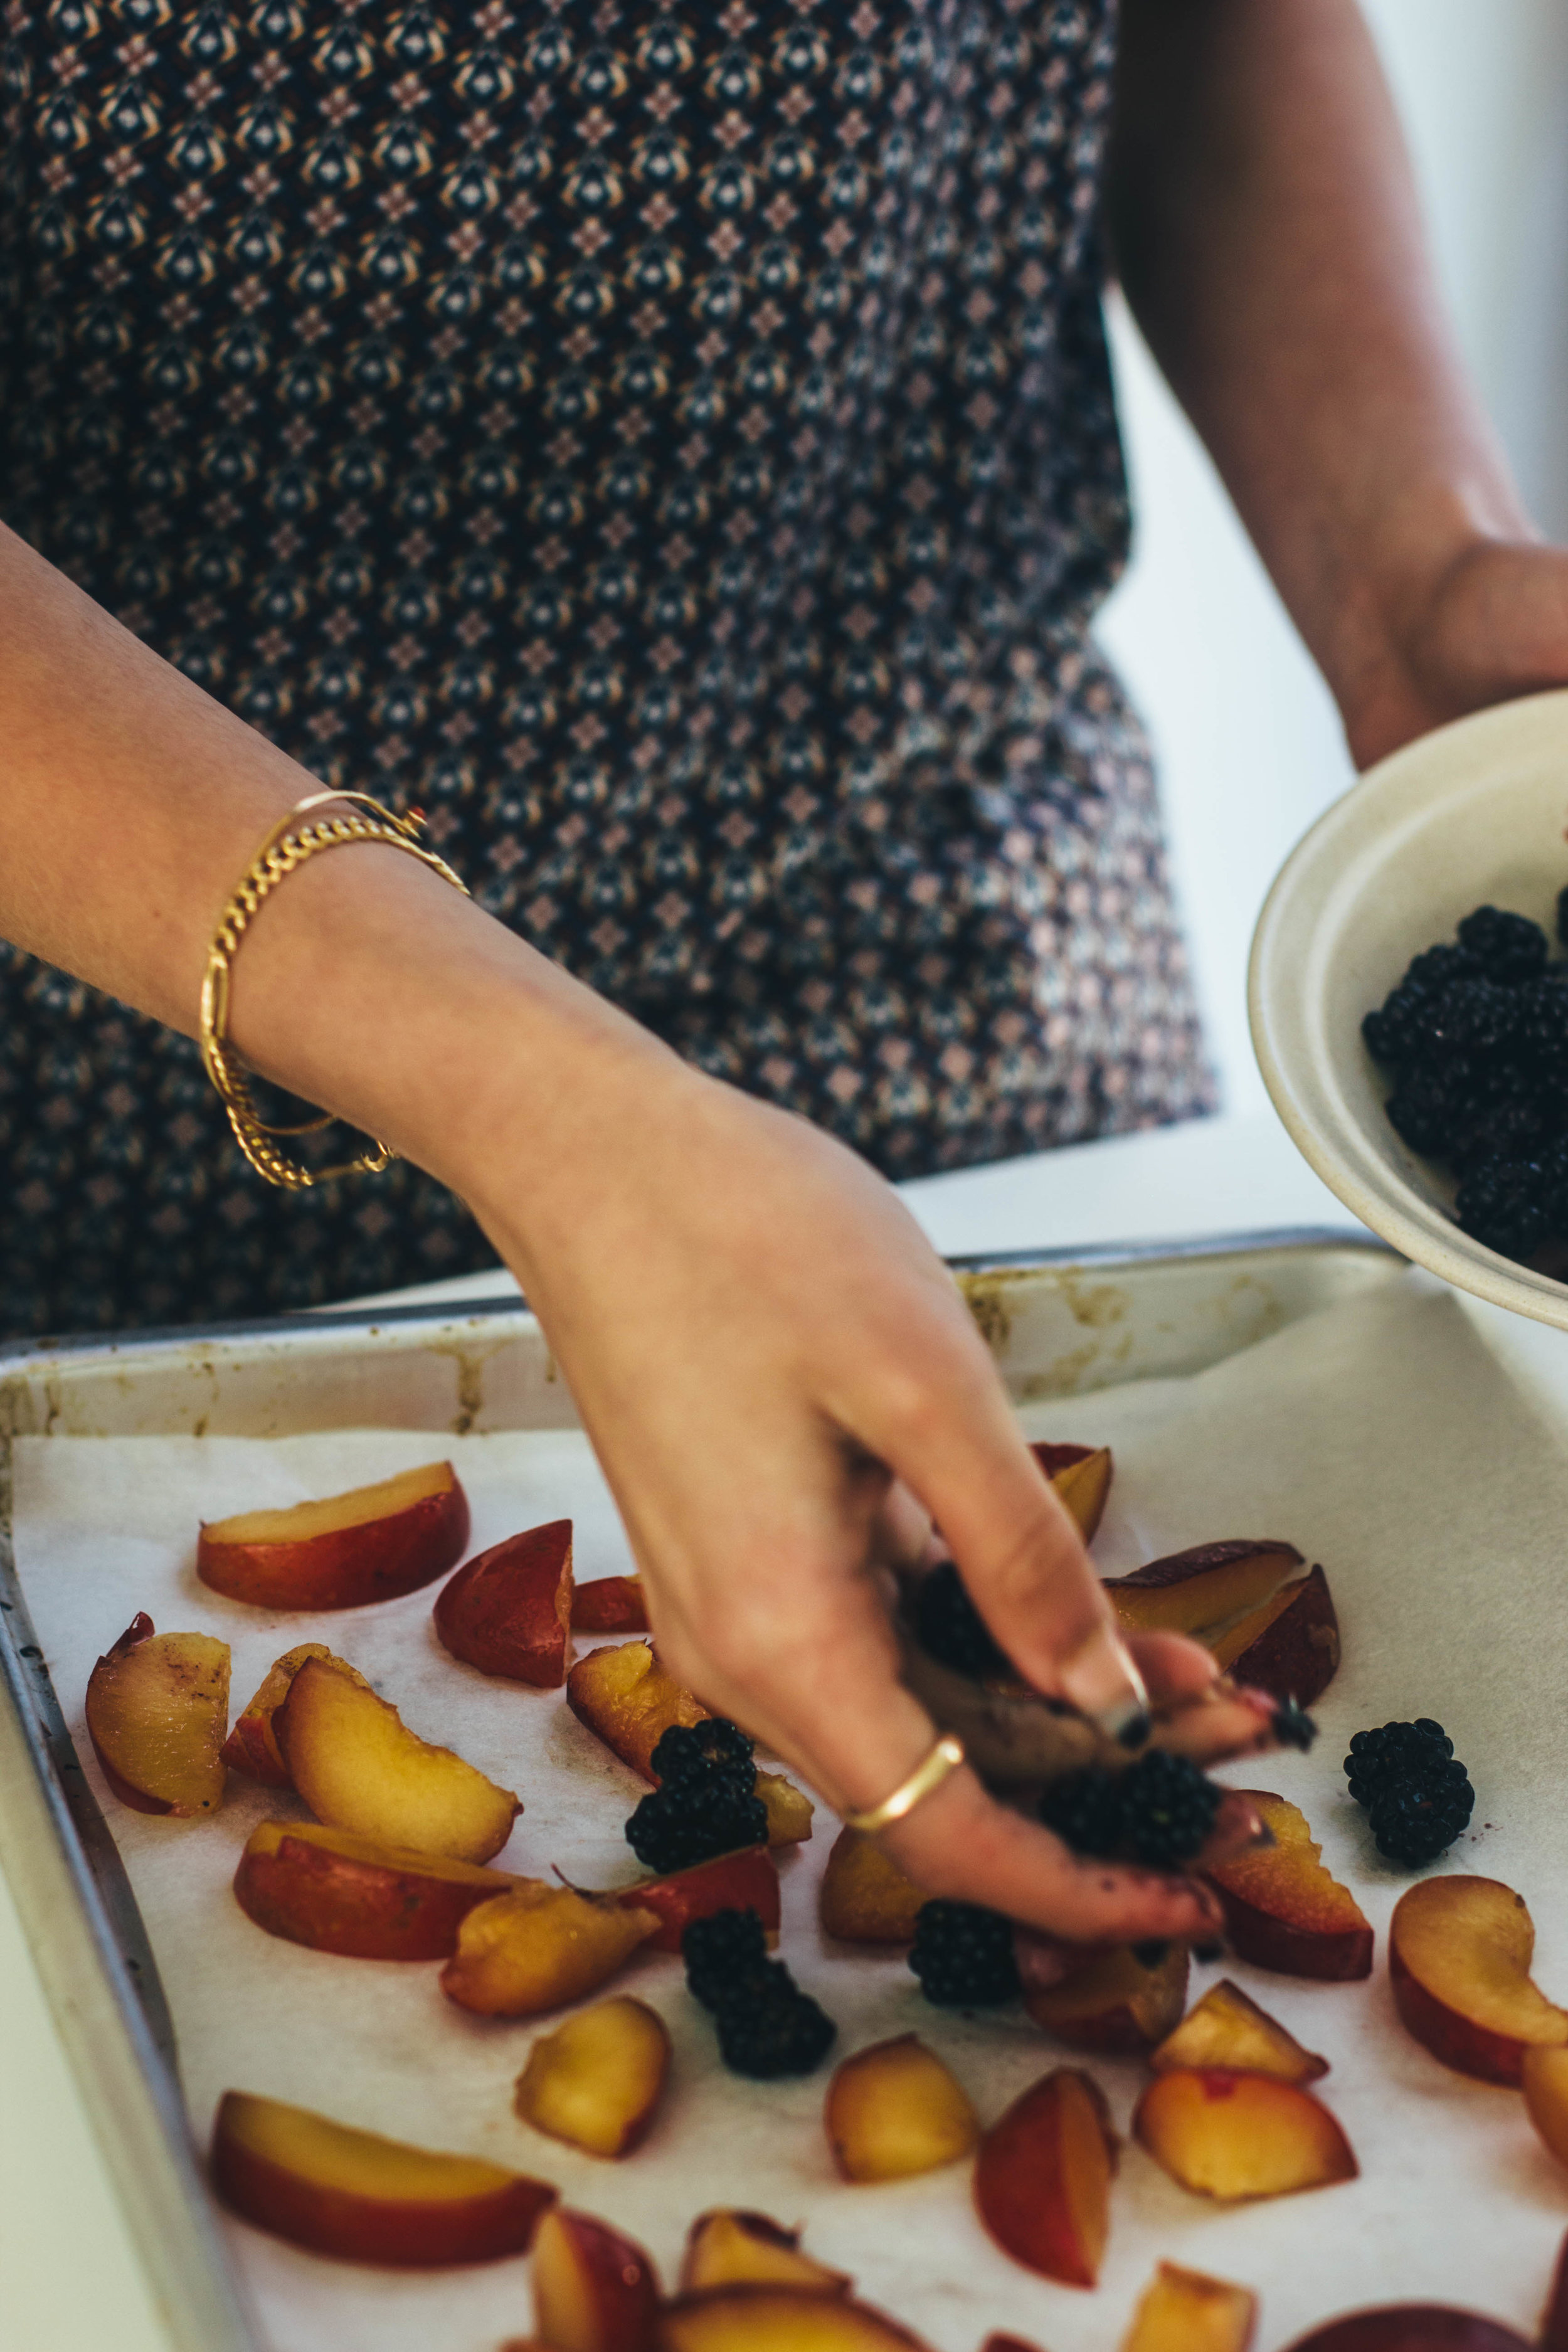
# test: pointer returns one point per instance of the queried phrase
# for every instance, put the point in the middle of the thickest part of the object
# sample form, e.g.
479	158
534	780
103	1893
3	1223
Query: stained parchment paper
1384	1438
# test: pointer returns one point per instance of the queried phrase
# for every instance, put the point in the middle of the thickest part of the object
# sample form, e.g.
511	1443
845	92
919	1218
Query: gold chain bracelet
289	846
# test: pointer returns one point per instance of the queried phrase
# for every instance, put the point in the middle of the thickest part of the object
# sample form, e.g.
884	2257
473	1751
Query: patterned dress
672	445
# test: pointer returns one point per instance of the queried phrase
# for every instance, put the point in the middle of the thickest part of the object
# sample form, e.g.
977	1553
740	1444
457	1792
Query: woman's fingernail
1104	1683
1207	1902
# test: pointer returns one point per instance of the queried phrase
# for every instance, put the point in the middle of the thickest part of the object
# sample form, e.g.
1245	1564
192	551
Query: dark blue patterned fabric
676	450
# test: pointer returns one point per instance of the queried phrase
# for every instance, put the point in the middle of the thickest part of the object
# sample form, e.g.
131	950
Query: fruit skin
593	2291
157	1710
364	2198
1414	2327
1227	2028
895	2110
597	2079
509	1610
738	2248
1553	2336
416	1526
1191	1591
1182	2311
628	1700
1284	1911
747	1881
358	1767
1544	2077
865	1897
1437	1926
251	1747
538	1946
611	1604
337	1892
1114	2003
1289	1648
778	2319
1042	2178
1081	1475
1236	2136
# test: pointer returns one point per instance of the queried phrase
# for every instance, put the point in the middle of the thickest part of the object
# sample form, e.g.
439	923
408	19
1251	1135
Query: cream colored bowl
1473	814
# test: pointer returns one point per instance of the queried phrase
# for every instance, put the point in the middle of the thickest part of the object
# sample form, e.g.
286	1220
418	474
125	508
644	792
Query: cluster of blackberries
1159	1811
950	1629
963	1956
1416	1794
706	1802
1476	1036
766	2025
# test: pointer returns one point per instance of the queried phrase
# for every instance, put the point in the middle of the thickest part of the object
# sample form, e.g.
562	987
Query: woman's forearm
1265	228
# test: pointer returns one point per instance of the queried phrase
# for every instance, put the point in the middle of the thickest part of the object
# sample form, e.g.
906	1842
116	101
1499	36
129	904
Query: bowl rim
1322	1131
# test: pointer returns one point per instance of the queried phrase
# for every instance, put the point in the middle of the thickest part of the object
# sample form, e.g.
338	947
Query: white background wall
1248	740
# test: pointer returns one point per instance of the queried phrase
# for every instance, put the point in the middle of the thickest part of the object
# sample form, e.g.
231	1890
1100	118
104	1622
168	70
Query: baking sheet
1382	1436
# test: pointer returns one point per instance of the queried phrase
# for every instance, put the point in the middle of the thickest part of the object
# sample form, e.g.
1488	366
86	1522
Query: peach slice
625	1696
339	1892
778	2319
611	1604
1081	1477
1284	1911
1182	2311
1230	2136
1042	2178
1227	2028
1414	2327
509	1611
894	2110
1114	2003
1290	1646
250	1747
745	1881
1458	1961
364	2198
1198	1591
367	1545
597	2079
157	1709
593	2291
733	2249
789	1808
358	1767
539	1946
865	1897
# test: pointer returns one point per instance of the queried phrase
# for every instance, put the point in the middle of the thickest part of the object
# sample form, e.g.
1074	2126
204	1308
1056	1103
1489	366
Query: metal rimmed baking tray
1061	1324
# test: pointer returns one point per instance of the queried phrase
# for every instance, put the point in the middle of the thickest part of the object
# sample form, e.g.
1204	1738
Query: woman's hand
760	1343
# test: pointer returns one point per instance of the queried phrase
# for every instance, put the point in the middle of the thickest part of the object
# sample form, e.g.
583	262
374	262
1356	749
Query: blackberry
725	1951
773	2028
1517	1128
1508	947
963	1956
1293	1726
1417	1819
950	1629
1085	1810
1168	1807
1426	1109
1392	1752
1563	916
706	1803
1435	969
1472	1017
1502	1204
1541	1025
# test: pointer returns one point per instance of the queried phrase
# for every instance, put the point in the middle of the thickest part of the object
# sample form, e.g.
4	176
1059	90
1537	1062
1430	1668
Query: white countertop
69	2281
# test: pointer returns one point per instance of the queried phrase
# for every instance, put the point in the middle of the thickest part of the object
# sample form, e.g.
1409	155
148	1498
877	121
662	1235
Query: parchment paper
1384	1438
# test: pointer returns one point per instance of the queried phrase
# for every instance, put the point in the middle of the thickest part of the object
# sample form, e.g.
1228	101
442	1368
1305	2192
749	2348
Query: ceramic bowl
1474	814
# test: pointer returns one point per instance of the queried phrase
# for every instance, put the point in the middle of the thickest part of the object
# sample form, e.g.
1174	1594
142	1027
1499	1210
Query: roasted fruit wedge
509	1611
626	1697
1114	2002
1284	1911
358	1767
1226	2028
597	2079
1081	1475
778	2319
738	2248
367	1545
157	1710
593	2291
747	1880
895	2110
611	1604
252	1747
338	1892
1459	1950
1414	2327
1289	1647
539	1946
1232	2136
865	1897
364	2198
1042	2178
1199	1591
1182	2311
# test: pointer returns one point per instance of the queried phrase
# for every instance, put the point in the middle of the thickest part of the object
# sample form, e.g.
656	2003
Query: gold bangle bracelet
928	1775
287	846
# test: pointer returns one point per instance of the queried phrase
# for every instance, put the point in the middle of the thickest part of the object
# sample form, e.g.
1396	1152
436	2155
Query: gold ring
929	1774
